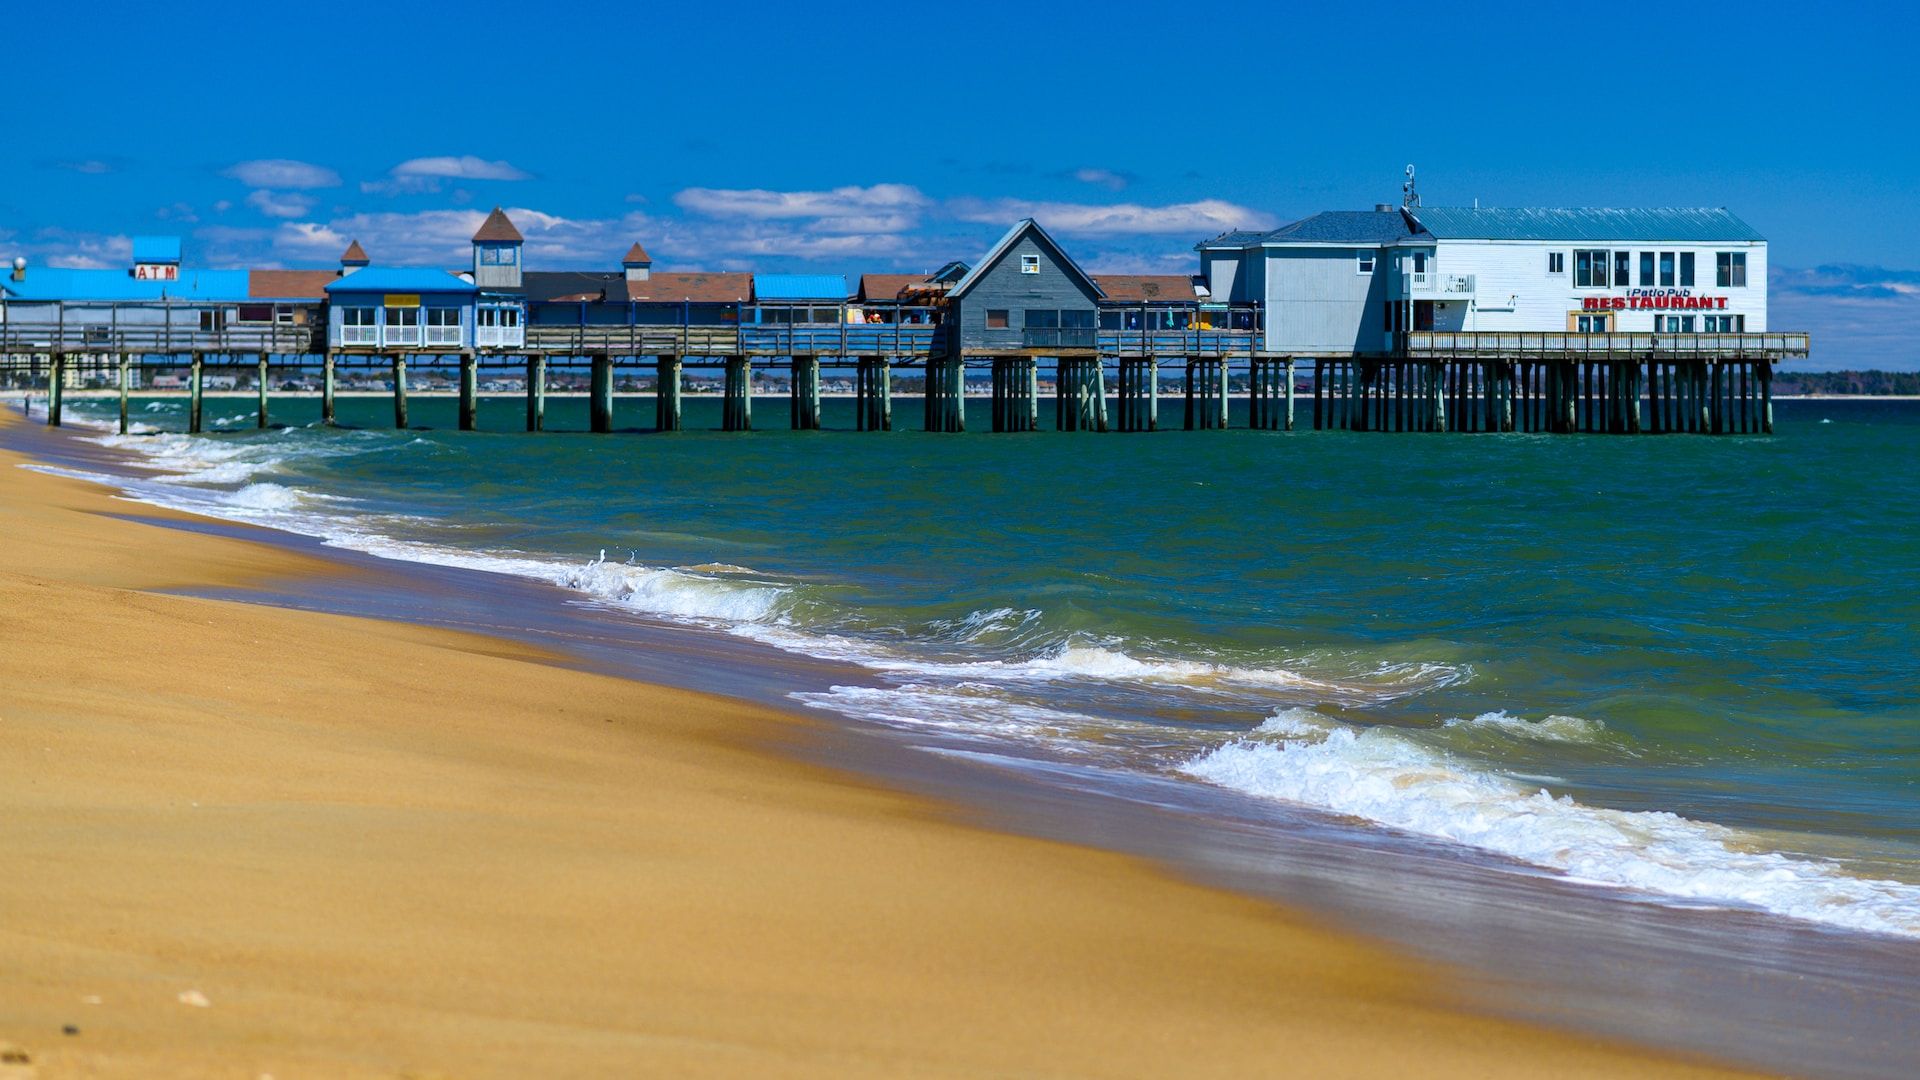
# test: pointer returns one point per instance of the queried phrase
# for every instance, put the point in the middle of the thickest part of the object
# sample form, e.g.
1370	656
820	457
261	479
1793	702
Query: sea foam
1385	776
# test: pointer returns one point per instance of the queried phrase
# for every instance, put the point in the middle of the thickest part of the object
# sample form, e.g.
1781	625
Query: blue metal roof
156	249
1344	227
63	283
400	279
1580	225
799	287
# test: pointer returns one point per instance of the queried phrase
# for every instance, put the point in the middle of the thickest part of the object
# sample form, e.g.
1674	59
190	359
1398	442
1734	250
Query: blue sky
823	137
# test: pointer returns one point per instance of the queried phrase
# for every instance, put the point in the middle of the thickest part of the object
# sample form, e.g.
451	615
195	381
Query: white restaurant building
1344	283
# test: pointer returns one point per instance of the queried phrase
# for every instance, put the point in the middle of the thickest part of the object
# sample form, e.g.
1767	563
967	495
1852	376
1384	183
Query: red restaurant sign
1645	303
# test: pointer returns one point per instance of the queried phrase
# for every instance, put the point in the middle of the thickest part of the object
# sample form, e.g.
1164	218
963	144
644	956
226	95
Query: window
1723	324
358	327
497	256
996	319
213	322
1029	264
1646	269
1076	320
283	314
1365	263
443	326
256	312
1556	262
1042	319
1686	269
403	326
1622	263
1730	269
1590	269
1419	268
1666	269
1673	324
1593	324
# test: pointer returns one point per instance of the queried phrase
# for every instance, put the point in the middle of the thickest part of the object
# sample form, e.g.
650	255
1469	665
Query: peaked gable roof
497	229
354	255
1651	225
636	256
999	251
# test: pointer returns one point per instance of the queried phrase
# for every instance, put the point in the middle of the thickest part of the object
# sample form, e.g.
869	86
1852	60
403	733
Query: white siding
1513	290
1317	301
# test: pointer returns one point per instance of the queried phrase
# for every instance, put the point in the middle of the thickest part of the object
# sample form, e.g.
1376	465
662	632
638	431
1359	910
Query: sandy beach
244	841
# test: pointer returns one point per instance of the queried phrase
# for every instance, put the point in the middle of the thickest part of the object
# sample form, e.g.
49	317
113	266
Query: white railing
359	335
401	335
1457	284
443	335
500	337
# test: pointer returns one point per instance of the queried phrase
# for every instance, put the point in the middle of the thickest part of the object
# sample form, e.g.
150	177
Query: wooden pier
1435	382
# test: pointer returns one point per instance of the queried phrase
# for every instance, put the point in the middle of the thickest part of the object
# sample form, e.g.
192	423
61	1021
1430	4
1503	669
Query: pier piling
400	391
873	394
537	392
326	390
600	390
737	393
469	390
1206	393
1015	404
1139	389
261	383
56	385
195	383
126	375
666	393
806	393
946	402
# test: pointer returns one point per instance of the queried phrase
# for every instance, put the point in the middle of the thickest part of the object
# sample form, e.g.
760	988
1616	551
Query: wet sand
243	839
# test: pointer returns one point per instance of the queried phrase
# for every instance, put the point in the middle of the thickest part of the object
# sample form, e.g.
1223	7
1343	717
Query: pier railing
67	339
1176	342
1502	345
625	340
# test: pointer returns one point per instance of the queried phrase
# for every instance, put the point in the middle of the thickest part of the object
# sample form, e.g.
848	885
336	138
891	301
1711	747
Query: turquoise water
1682	666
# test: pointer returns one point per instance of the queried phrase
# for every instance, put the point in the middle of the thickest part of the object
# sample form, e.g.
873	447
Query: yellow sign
403	299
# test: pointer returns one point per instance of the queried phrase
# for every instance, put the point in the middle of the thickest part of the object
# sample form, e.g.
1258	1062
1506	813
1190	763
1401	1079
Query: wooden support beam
195	384
326	390
469	391
56	387
261	384
400	391
804	394
600	393
537	392
737	395
666	393
126	376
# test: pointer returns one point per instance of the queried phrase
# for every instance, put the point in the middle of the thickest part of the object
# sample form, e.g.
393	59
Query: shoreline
423	813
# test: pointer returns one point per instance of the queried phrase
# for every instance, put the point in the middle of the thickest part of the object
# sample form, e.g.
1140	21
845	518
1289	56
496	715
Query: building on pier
1025	294
394	309
1351	282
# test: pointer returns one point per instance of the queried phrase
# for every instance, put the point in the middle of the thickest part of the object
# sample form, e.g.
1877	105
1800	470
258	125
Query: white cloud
80	250
1204	218
1861	317
847	211
1106	178
427	174
283	173
90	167
279	204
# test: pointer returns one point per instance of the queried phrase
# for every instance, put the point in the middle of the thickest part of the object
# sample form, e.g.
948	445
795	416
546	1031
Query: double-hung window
996	318
1594	324
1646	270
1029	264
1622	265
1364	264
1730	269
1590	269
358	326
1666	269
1556	262
1686	269
443	326
1673	324
403	326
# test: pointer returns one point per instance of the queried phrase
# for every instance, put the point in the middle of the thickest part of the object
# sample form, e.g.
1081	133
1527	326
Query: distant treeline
1846	382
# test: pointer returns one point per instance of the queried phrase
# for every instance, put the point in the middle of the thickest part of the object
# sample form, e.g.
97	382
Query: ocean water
1679	668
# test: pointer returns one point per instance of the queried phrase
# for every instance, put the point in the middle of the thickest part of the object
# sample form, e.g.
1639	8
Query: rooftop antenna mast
1409	197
